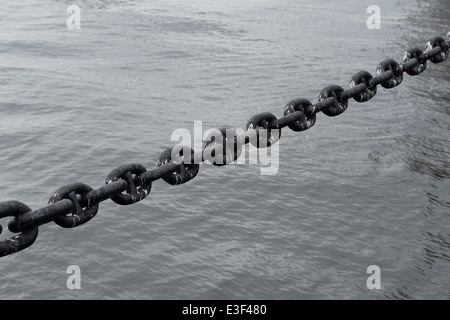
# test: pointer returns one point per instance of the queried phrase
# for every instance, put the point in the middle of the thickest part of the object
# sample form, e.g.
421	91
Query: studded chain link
75	204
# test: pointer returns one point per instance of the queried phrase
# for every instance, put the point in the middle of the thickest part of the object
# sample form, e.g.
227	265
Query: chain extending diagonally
75	204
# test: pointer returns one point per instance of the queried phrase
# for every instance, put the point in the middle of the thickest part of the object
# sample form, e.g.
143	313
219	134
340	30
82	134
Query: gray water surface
369	187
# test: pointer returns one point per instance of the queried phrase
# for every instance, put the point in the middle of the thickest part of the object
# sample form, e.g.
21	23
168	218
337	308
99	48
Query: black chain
75	204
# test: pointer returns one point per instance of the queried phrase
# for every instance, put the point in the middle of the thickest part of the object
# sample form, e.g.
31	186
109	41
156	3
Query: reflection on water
427	155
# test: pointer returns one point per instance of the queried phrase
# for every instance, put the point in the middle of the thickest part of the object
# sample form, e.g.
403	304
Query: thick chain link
77	203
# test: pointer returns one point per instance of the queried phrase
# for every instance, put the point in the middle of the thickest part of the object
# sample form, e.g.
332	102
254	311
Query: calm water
370	187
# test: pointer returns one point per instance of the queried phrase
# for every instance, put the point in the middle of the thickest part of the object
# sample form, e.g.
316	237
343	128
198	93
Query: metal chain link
77	203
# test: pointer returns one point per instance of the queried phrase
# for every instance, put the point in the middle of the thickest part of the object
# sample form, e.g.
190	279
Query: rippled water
370	187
